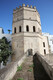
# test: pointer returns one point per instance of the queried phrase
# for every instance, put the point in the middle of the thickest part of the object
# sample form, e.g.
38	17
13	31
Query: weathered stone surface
9	71
23	41
47	62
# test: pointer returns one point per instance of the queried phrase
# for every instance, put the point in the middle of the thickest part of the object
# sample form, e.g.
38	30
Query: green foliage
31	65
30	70
4	50
9	31
19	68
0	59
20	79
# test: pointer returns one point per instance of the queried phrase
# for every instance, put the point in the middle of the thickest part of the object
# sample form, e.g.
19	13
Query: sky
44	7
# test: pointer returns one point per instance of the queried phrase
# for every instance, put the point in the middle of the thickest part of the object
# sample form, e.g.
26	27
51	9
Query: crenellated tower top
23	5
26	6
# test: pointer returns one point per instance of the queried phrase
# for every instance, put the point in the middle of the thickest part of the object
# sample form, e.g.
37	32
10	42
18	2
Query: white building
50	40
1	30
8	36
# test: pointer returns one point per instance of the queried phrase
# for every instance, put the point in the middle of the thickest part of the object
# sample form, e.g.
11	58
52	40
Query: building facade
27	35
50	40
2	34
1	30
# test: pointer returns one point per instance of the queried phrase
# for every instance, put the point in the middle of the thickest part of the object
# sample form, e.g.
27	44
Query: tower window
15	30
44	51
43	44
27	28
20	29
34	29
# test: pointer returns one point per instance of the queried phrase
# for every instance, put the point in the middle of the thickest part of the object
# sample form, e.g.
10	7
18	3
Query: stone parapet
47	63
26	6
9	71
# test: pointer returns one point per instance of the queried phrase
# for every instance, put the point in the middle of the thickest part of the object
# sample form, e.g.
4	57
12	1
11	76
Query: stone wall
35	41
17	46
45	40
31	42
47	62
9	71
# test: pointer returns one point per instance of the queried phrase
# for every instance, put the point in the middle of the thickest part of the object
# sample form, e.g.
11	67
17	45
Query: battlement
32	8
27	6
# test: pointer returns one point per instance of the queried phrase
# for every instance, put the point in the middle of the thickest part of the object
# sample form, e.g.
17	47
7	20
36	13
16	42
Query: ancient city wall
47	63
9	71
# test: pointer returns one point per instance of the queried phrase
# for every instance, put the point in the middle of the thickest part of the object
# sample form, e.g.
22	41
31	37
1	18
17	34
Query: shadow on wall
39	72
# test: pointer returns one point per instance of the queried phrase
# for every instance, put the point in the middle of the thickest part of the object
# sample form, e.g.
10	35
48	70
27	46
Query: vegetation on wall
5	50
19	68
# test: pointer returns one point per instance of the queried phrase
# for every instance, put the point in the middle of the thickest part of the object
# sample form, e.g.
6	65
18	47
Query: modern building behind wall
26	33
50	40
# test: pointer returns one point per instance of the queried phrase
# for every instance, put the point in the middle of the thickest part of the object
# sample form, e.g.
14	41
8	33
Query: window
27	28
44	51
43	44
33	28
20	29
52	42
2	31
15	30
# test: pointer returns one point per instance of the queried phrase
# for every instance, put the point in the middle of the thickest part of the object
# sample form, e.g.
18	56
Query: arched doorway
30	52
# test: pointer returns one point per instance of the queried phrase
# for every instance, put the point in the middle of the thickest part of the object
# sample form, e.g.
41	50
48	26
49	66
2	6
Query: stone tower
26	32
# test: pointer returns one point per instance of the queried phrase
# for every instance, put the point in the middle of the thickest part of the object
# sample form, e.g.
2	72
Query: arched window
15	30
19	28
44	51
34	29
27	28
43	44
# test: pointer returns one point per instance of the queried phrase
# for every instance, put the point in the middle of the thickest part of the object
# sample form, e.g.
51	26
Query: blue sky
44	7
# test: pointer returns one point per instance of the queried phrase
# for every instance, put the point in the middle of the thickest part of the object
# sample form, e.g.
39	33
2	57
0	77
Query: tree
9	31
5	51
